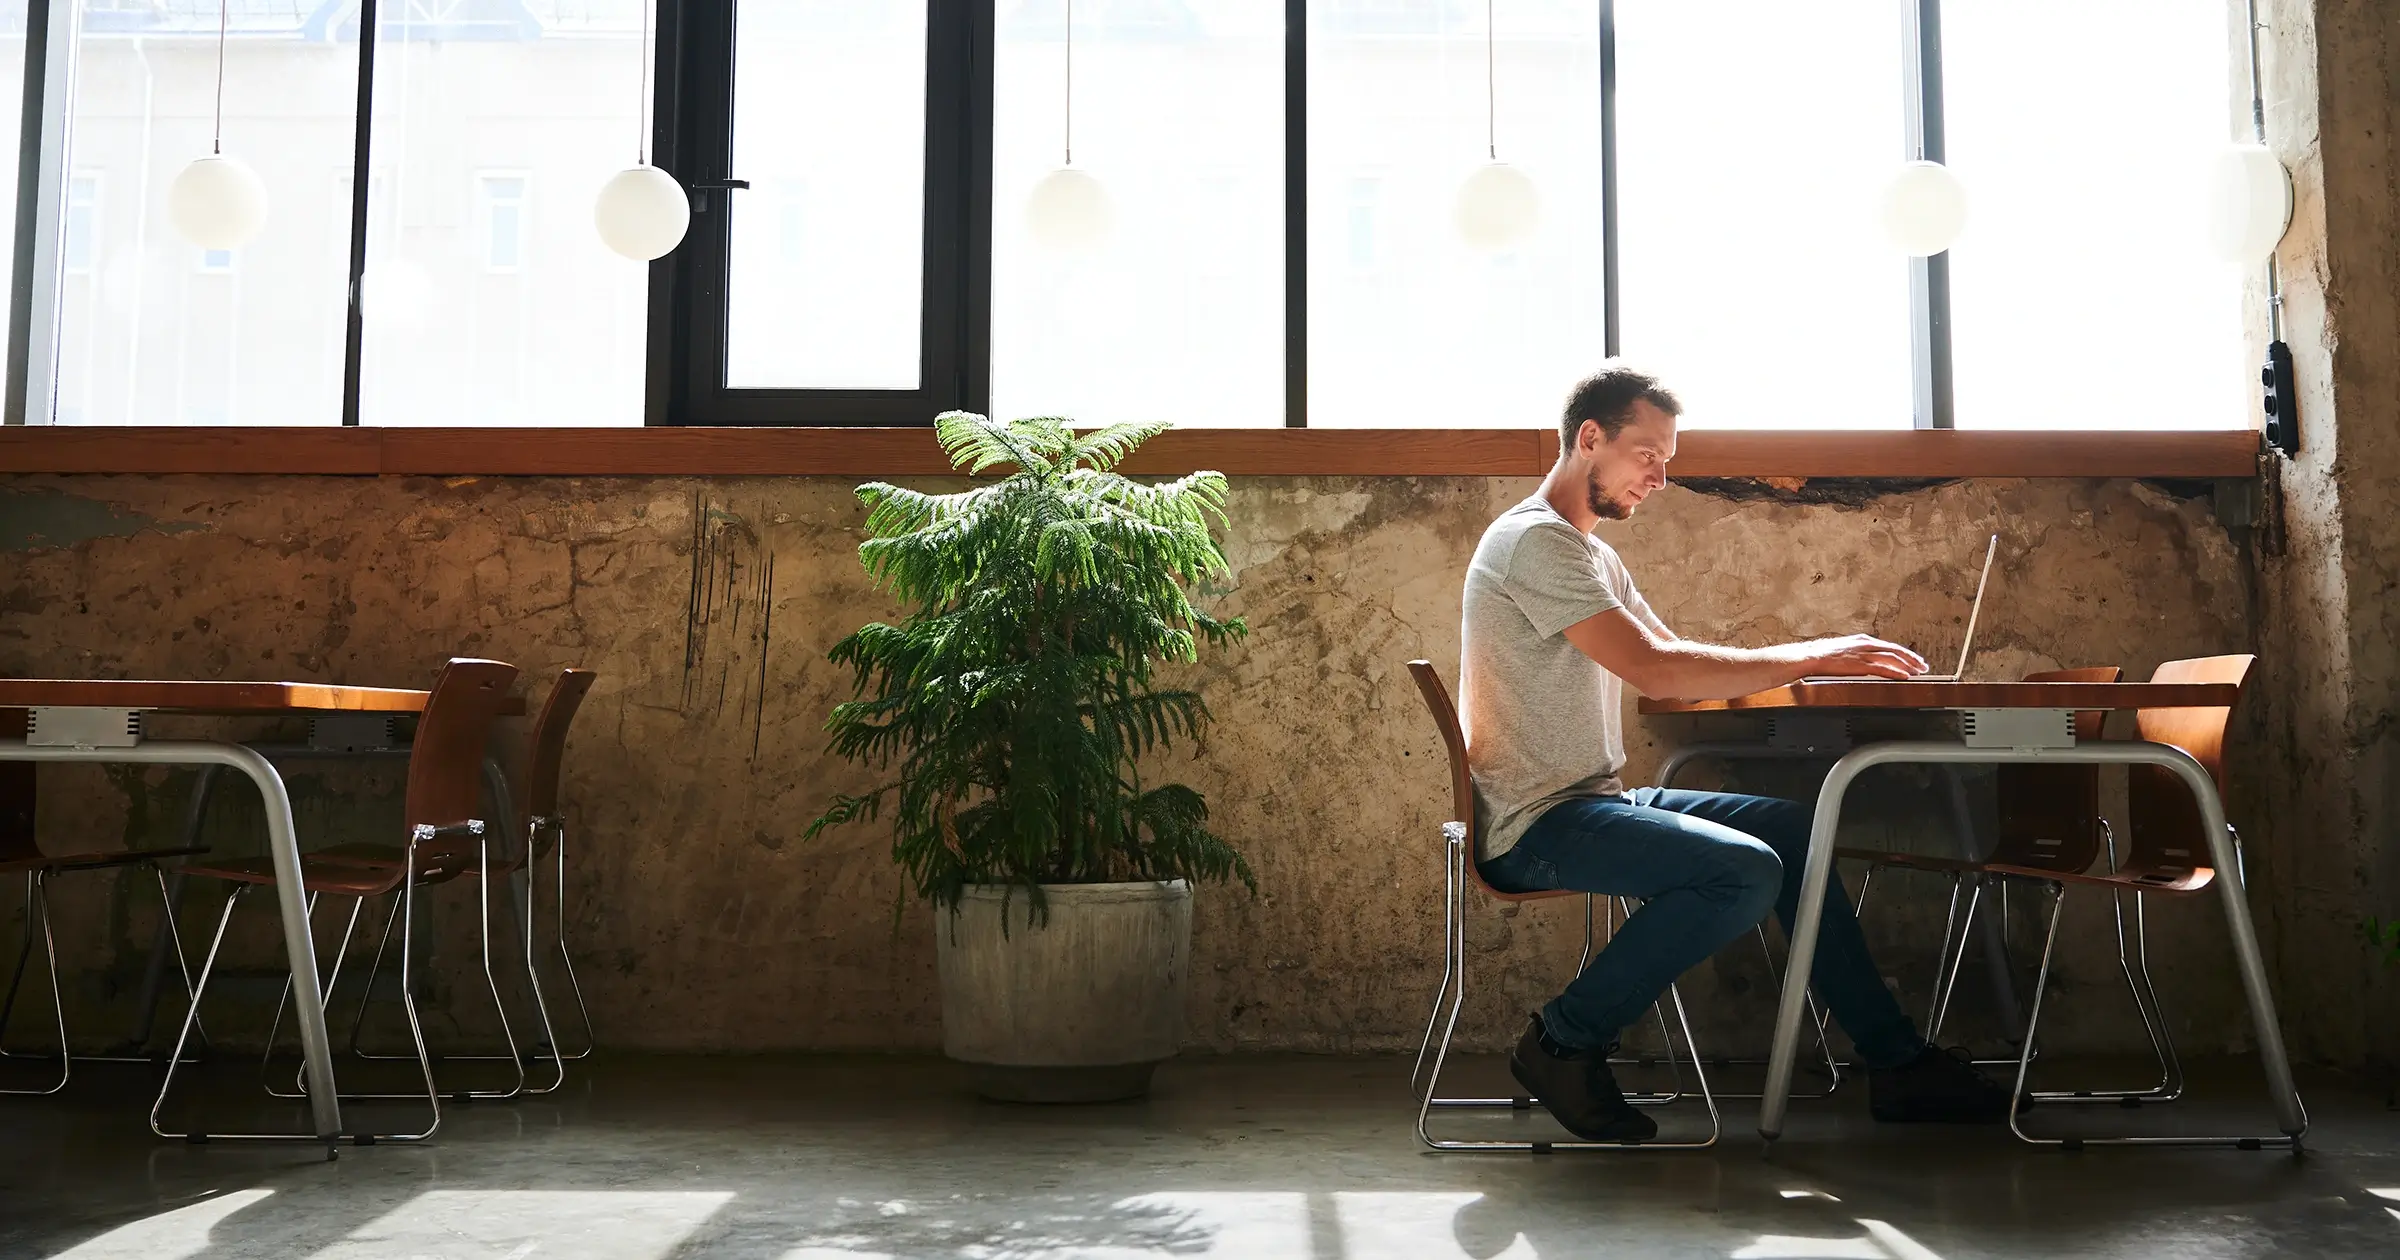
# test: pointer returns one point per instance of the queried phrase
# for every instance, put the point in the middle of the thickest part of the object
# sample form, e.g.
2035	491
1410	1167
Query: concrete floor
1258	1158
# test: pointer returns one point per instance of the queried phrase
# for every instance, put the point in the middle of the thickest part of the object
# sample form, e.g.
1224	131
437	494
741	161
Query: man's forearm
1683	669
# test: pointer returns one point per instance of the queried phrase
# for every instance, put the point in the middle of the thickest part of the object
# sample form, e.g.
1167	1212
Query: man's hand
1860	656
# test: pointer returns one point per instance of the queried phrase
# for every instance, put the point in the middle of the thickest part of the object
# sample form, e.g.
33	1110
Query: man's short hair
1607	396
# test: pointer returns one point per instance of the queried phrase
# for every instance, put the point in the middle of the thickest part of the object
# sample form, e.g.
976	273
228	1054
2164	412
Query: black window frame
694	140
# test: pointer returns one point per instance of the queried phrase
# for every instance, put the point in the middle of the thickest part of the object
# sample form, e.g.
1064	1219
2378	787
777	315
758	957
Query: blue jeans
1707	866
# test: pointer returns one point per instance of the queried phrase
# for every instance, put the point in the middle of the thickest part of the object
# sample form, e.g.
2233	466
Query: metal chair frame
37	904
1457	873
406	892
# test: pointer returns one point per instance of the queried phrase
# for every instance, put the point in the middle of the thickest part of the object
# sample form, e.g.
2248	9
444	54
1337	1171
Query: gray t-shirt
1543	720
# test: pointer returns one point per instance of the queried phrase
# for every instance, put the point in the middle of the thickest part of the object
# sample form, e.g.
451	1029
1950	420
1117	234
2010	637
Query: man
1552	624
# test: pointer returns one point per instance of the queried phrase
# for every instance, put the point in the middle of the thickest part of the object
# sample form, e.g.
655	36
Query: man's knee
1754	876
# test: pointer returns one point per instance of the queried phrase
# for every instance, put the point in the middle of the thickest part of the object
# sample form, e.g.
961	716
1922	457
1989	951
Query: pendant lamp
217	202
1070	209
1498	205
2250	203
1924	209
641	212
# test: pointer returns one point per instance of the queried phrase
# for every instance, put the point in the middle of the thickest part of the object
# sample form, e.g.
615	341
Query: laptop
1965	649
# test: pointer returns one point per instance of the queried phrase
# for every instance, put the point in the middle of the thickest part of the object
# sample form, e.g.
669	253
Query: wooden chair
545	835
20	853
1459	876
2167	854
444	840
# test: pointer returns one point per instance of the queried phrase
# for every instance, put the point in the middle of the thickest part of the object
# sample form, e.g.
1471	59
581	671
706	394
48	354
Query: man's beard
1602	506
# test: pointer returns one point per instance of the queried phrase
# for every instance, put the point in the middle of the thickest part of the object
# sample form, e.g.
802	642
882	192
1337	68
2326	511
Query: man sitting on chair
1552	624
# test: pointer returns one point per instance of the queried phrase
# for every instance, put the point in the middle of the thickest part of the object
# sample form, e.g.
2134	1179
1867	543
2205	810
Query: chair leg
358	1019
37	900
333	978
483	924
1956	948
1450	909
567	964
541	1003
1454	946
2024	1064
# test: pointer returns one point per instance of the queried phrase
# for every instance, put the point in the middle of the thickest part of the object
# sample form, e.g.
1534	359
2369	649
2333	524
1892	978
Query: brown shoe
1577	1088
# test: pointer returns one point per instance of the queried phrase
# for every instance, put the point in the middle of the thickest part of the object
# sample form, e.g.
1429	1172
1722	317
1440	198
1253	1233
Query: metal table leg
2290	1116
283	846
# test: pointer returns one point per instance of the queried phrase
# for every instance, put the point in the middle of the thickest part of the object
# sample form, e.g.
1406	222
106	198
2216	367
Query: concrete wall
2328	563
703	922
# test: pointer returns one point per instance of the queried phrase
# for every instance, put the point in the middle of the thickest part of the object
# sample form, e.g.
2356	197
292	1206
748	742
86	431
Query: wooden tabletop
1873	694
216	697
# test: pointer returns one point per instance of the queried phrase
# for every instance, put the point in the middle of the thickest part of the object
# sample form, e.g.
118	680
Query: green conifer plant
1012	706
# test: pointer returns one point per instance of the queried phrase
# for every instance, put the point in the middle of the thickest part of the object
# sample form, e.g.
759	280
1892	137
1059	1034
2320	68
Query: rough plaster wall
702	921
2329	555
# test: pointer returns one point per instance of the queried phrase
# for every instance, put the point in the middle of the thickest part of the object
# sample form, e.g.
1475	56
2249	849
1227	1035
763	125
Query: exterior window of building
82	220
1176	311
501	201
213	261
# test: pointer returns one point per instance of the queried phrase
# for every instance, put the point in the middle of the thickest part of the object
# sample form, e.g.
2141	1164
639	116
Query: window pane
1755	276
2083	293
1408	323
12	96
825	285
1177	312
149	331
489	299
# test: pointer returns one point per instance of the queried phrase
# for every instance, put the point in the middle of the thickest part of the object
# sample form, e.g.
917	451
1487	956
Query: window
1280	246
487	297
2083	294
154	337
843	307
1408	324
1176	310
81	221
1754	276
500	208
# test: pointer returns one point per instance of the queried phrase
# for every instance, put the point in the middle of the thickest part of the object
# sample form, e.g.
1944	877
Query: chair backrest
2169	850
1462	782
445	764
550	740
2050	815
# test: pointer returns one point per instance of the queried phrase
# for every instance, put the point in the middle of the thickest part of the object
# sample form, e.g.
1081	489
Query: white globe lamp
642	212
1498	207
217	203
1924	209
2249	203
1070	211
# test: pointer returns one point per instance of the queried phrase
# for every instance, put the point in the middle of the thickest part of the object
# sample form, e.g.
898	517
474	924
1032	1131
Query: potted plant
1012	708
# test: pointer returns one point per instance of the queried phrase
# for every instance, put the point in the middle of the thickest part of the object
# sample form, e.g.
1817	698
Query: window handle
698	186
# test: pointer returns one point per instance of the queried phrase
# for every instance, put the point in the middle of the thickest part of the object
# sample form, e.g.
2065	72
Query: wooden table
101	721
2011	723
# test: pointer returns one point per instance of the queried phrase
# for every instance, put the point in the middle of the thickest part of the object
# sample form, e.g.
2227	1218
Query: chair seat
316	875
390	857
92	861
2189	882
1912	861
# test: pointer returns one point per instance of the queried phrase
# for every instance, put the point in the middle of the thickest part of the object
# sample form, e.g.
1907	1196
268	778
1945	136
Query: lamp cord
1491	90
2258	128
641	139
216	141
1069	108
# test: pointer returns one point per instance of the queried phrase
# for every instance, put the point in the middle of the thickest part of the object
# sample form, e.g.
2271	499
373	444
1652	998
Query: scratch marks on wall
729	617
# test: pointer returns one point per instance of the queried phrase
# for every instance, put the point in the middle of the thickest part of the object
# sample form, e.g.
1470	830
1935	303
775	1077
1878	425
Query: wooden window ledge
727	452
